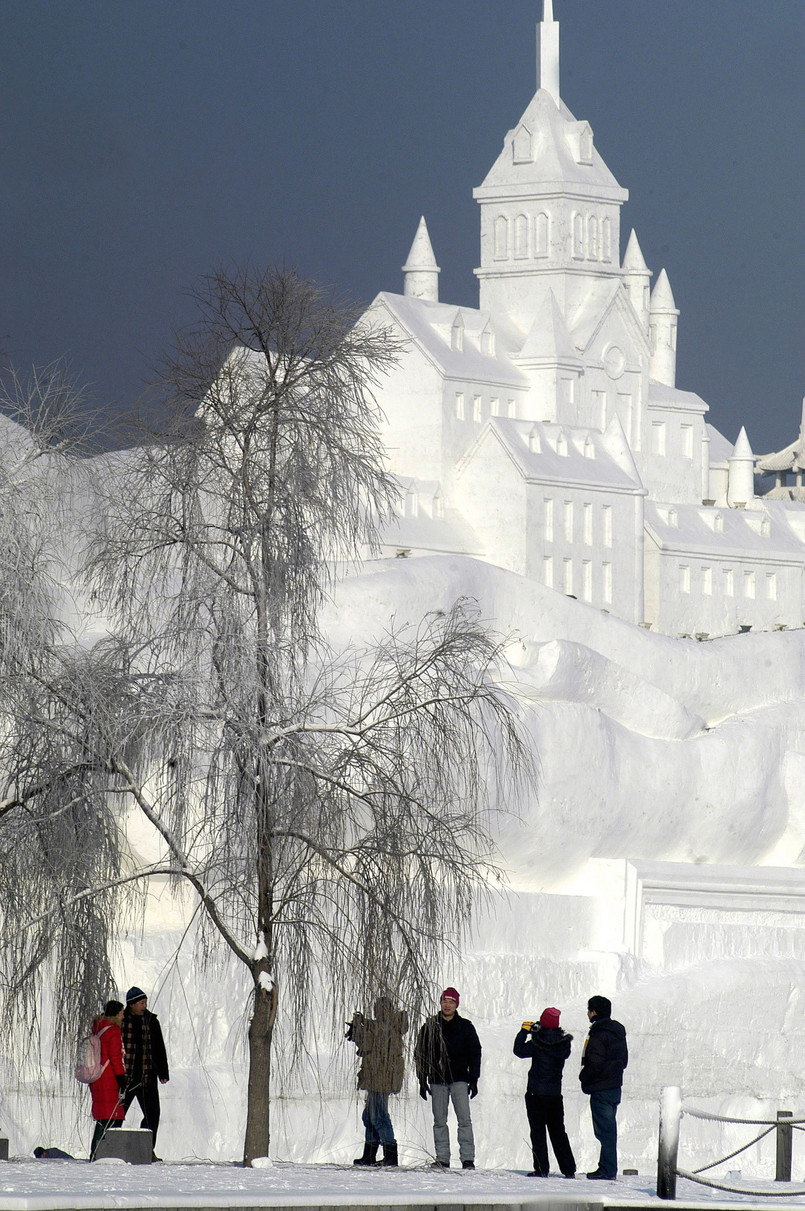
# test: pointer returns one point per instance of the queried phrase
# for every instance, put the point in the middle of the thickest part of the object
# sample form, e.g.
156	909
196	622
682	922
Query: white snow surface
57	1185
667	769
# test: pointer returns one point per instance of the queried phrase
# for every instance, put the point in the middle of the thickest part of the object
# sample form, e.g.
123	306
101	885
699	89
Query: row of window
414	503
521	238
592	238
477	410
566	513
748	579
659	439
525	237
575	577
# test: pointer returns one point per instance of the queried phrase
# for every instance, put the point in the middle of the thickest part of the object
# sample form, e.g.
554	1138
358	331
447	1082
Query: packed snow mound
560	670
647	747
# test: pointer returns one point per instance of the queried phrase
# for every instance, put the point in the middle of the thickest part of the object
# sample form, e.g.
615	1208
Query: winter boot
369	1155
389	1154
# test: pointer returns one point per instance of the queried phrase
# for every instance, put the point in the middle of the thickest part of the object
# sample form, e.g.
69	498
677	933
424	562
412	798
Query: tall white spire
421	279
548	51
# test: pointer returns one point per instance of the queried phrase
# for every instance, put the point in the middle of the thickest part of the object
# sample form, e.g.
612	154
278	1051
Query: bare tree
54	844
330	812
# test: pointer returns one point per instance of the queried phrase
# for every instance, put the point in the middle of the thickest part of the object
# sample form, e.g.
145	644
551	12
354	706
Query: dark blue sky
144	144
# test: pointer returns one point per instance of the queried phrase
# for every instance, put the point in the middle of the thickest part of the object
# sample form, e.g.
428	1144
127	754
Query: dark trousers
547	1110
604	1107
376	1119
101	1127
147	1094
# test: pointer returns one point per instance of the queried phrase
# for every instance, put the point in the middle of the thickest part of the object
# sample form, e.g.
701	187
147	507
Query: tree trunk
258	1103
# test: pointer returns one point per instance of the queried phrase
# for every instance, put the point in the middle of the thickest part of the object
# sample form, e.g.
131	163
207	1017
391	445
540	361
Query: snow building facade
544	431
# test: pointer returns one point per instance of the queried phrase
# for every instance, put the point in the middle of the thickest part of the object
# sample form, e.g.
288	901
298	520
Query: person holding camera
379	1041
547	1046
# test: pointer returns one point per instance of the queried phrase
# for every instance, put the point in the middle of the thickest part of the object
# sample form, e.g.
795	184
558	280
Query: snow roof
792	458
425	529
543	152
720	446
660	395
430	325
708	531
544	451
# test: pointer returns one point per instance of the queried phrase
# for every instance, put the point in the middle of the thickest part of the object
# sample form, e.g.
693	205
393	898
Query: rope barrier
704	1181
756	1140
720	1118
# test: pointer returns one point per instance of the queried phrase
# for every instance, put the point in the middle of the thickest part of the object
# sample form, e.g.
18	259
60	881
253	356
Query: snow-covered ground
658	860
52	1185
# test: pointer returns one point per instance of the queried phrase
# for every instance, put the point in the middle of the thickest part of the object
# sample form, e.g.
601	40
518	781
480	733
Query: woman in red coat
107	1091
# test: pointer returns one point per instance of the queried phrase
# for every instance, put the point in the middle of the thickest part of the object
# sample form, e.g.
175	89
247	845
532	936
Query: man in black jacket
547	1046
448	1065
604	1059
146	1059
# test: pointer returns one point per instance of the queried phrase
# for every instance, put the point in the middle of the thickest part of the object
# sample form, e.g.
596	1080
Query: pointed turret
548	52
663	317
421	272
637	279
741	476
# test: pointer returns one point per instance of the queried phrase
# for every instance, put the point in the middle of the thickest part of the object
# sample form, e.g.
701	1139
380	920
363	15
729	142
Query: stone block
135	1146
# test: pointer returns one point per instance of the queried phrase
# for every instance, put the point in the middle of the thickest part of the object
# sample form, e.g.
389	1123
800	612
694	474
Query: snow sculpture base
135	1146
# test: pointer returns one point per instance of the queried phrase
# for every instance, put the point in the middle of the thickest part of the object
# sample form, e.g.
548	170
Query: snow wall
657	860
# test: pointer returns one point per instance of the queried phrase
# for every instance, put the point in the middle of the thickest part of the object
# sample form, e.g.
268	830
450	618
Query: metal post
783	1134
670	1115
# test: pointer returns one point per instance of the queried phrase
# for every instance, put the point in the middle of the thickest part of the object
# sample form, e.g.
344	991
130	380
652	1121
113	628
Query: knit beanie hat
450	992
135	994
550	1018
601	1006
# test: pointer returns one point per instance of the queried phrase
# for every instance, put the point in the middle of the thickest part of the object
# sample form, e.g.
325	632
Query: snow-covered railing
671	1113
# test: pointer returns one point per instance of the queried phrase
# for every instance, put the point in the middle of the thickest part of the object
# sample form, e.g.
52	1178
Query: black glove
472	1087
122	1081
424	1091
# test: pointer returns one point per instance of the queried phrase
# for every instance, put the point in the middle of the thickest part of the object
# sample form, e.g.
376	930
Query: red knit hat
450	992
550	1018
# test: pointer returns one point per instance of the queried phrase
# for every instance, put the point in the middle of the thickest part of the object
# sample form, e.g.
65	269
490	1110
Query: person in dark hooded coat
603	1061
547	1046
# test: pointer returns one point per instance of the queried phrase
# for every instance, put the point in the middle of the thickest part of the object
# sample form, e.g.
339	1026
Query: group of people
135	1063
448	1068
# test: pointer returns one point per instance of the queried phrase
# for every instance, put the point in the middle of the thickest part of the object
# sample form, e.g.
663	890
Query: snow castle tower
544	430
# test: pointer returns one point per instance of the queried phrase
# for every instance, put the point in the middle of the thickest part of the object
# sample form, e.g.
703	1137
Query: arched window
501	238
521	236
541	235
592	238
578	236
606	240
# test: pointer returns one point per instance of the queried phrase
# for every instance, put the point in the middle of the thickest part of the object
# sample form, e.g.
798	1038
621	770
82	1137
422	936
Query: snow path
66	1185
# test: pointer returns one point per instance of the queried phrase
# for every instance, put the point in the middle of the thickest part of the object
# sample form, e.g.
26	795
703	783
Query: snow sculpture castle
545	432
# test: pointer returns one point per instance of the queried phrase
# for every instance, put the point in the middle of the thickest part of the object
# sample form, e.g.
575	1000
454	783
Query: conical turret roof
421	255
662	298
633	260
742	450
